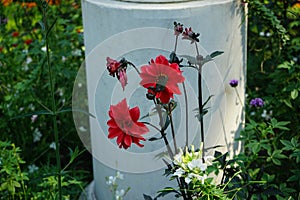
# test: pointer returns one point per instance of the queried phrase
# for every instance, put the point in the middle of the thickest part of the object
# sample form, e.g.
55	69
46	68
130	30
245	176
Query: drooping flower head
118	69
189	34
233	83
257	102
178	28
125	126
161	78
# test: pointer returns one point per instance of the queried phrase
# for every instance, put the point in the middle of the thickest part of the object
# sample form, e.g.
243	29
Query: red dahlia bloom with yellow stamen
125	126
161	78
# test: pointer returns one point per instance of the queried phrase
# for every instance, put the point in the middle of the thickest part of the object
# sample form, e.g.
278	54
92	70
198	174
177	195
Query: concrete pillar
140	30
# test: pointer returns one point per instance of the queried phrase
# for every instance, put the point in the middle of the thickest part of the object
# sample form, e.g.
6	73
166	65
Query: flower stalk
53	103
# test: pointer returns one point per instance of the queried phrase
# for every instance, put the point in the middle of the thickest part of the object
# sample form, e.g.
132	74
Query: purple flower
233	83
257	102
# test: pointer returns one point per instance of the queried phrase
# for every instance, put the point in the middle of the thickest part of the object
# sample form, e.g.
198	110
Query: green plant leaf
216	53
294	94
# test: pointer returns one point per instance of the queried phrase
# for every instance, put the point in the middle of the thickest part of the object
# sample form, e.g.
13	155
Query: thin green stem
238	96
136	69
151	125
186	116
172	129
176	41
162	131
200	101
53	106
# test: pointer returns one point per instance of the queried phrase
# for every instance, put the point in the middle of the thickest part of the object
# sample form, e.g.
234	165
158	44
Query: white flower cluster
191	165
112	182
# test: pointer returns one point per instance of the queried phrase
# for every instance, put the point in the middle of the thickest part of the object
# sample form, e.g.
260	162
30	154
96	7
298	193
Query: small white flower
119	175
28	60
44	49
32	168
178	158
197	163
179	172
267	115
268	34
76	52
187	180
295	59
33	118
208	159
201	178
52	146
80	85
119	194
36	135
63	58
111	180
262	34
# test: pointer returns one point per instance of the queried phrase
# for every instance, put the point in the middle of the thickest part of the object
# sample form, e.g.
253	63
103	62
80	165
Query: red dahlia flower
125	126
161	78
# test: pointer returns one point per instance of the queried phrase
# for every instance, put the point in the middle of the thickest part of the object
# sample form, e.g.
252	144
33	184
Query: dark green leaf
216	53
147	197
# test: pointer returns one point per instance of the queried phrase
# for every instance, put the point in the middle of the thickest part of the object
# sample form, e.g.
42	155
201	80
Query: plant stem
238	96
172	129
176	41
162	131
200	101
136	69
151	125
186	116
53	107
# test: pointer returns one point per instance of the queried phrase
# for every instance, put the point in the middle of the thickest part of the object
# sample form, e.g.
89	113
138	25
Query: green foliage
25	102
266	161
11	177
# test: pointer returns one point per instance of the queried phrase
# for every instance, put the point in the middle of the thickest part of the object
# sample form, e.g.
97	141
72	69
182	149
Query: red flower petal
114	132
127	140
134	113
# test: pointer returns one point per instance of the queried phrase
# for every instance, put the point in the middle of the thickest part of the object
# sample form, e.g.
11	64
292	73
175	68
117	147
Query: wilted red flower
161	78
178	28
112	66
117	69
14	45
125	126
189	34
28	42
15	34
